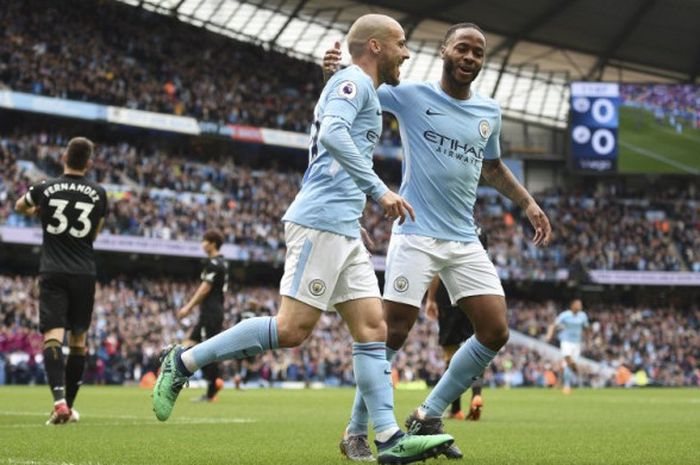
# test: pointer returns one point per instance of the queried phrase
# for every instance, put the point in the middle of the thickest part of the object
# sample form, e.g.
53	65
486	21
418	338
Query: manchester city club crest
401	284
317	287
347	90
484	128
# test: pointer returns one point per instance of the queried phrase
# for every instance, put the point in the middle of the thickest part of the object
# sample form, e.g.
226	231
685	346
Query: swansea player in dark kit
454	328
72	211
210	298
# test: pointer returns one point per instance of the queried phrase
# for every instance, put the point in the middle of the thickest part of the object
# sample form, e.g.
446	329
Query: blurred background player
72	211
454	328
571	324
327	266
210	298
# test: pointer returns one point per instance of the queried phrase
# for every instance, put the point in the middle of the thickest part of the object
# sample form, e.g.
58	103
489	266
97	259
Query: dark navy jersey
215	272
71	208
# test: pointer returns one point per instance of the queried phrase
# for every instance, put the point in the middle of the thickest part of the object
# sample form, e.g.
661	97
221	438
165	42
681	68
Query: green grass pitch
647	147
273	427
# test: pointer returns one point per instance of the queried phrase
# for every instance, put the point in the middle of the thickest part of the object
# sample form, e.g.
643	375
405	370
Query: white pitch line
13	461
179	422
131	420
10	413
661	158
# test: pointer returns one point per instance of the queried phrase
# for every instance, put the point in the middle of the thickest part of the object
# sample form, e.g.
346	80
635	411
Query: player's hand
182	313
431	309
366	238
540	222
331	60
396	206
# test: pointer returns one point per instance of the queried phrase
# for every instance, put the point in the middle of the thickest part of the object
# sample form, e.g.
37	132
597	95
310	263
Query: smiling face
393	53
463	56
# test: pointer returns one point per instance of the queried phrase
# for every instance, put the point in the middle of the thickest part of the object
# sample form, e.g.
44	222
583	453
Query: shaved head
372	26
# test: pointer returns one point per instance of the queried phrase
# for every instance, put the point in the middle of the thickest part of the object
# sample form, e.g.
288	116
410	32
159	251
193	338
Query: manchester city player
327	264
450	138
571	324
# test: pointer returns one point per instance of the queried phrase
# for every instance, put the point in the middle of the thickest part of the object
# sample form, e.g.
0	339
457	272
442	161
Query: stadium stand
141	60
172	196
133	319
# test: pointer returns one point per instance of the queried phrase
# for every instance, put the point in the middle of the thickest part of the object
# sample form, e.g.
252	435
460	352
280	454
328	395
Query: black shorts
66	301
454	325
206	329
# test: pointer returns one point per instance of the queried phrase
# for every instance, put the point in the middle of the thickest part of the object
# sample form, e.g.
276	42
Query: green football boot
421	426
169	383
409	448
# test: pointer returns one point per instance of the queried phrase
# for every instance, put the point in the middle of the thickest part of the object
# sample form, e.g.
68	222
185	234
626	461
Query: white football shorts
570	349
323	269
412	262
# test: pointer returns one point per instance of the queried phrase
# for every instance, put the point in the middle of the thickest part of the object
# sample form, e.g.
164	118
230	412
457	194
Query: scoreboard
594	125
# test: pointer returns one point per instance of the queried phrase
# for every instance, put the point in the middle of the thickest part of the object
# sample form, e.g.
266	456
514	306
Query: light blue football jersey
445	141
572	325
332	197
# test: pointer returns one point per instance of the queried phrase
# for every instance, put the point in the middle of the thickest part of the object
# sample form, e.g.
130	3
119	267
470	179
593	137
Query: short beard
386	74
449	69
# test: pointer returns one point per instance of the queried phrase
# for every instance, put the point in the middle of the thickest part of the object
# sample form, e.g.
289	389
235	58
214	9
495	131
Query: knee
396	335
494	338
374	330
291	334
400	319
77	339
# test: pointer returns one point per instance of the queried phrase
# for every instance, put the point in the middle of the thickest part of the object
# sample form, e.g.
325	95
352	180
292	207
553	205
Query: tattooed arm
497	175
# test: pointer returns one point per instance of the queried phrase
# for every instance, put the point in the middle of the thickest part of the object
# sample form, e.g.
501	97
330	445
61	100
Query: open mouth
466	71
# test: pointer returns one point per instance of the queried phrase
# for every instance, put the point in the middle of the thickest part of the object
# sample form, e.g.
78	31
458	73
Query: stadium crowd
134	318
133	58
157	194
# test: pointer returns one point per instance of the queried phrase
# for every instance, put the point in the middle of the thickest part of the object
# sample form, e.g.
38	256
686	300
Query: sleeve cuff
378	191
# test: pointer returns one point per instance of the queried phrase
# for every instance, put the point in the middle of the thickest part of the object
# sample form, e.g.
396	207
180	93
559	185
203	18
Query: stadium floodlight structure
534	50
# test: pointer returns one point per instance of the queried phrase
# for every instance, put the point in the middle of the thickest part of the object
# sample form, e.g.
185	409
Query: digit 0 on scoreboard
594	125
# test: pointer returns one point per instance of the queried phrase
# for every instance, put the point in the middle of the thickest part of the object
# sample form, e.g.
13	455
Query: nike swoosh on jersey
430	112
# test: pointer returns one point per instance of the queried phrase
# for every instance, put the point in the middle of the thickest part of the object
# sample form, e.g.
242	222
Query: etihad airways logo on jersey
454	149
71	186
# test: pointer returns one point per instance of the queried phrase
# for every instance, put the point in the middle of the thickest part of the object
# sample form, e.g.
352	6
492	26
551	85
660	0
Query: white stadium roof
528	76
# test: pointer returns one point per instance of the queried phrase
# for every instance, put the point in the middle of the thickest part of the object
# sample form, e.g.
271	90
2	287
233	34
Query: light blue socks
467	364
359	419
568	374
373	377
249	337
